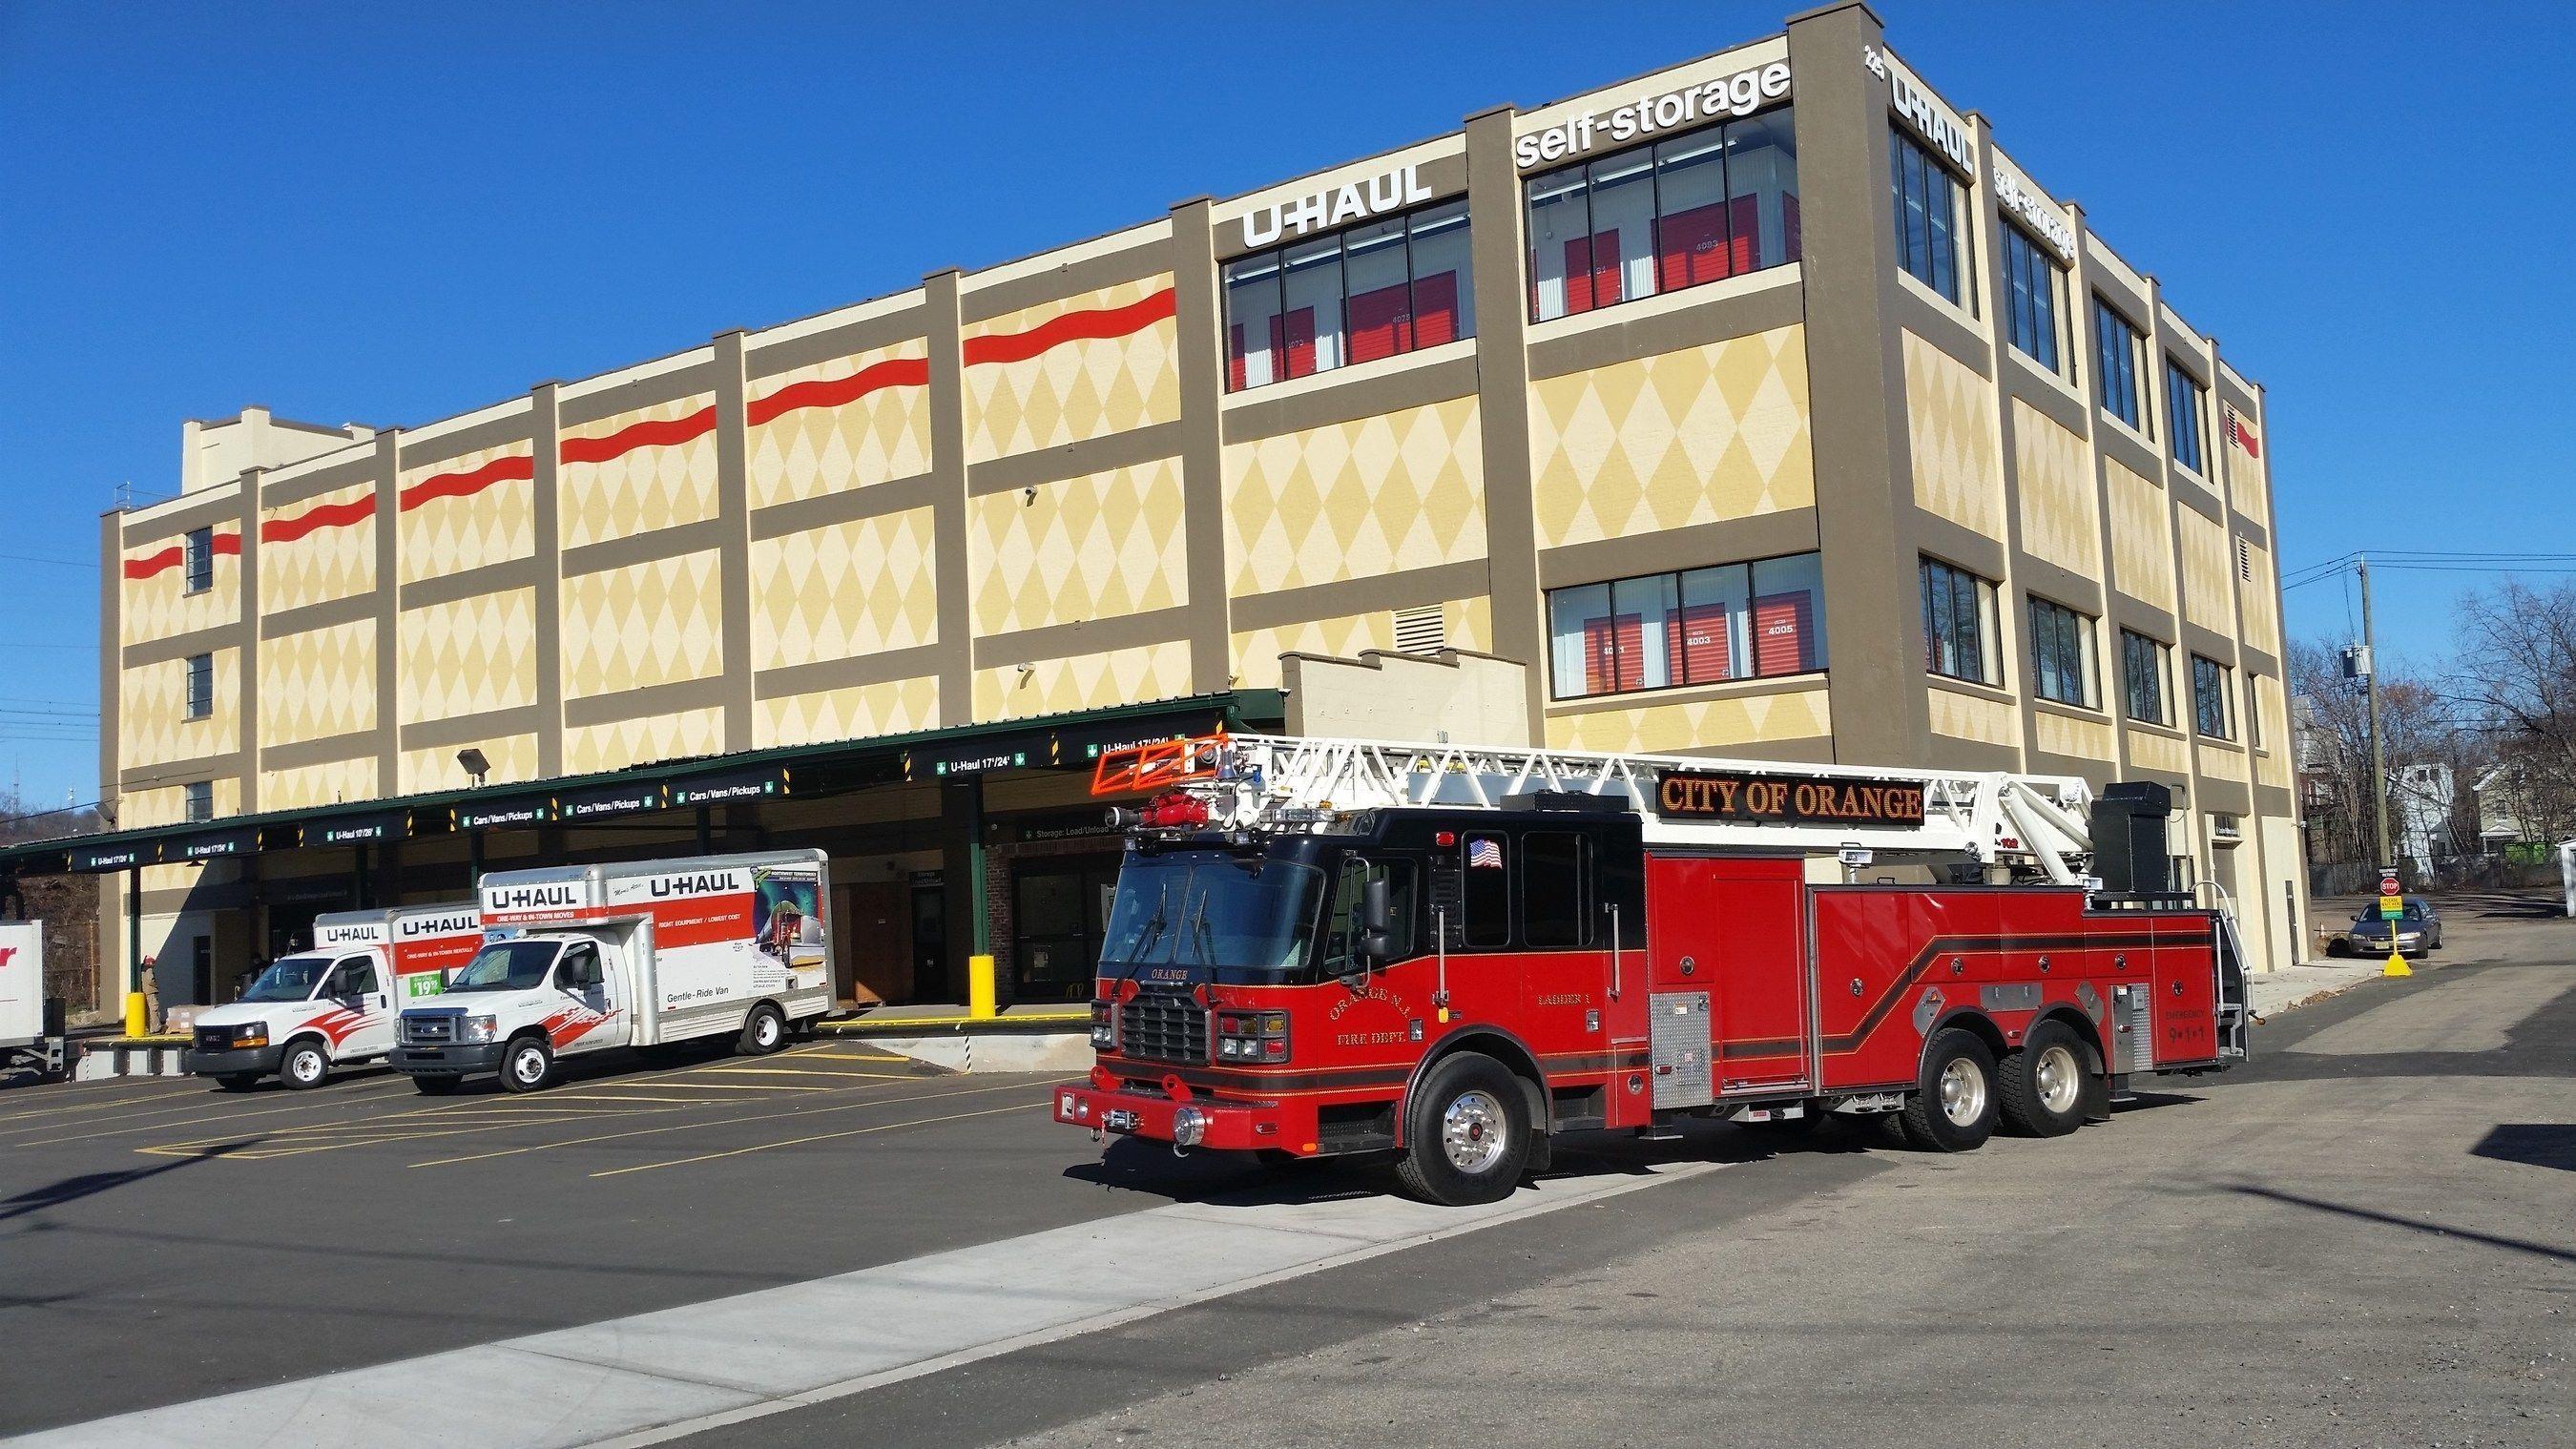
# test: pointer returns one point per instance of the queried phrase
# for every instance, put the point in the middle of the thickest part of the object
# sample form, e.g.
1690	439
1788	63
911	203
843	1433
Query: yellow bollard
136	1022
979	987
2396	966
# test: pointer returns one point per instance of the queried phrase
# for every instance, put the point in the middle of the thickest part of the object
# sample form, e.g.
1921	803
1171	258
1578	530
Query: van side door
363	988
584	1015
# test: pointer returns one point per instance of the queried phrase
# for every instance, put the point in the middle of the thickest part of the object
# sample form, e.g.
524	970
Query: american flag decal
1484	853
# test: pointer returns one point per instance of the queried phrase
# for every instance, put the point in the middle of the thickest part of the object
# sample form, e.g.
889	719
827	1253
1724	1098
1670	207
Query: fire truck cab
1493	950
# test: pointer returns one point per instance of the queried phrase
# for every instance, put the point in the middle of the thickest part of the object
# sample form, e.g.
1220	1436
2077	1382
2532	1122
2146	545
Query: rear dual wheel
2042	1087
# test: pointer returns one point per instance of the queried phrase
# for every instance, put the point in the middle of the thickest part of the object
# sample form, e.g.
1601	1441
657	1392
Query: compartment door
1736	929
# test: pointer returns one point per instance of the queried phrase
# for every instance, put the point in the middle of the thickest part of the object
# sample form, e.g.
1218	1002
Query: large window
201	685
1485	889
2144	663
2034	299
2210	702
1714	203
200	800
1370	292
2187	402
1959	624
199	554
1931	217
2119	355
1700	626
1556	890
2061	654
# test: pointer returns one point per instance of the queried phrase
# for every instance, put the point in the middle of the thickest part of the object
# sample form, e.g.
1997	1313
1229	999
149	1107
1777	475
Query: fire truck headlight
1189	1127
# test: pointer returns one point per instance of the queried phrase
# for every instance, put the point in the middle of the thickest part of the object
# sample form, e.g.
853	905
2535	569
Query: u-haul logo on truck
453	923
348	933
560	896
681	885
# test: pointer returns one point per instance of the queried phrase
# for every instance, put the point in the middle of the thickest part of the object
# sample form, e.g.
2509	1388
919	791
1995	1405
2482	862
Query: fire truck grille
1163	1029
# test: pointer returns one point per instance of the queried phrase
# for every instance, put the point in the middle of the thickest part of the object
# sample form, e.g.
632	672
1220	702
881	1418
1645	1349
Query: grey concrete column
247	699
951	566
1856	379
544	492
111	701
733	552
1198	318
1986	254
388	620
1495	221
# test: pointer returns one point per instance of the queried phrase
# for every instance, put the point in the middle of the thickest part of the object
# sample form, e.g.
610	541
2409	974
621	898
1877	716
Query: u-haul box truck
335	1003
585	958
22	993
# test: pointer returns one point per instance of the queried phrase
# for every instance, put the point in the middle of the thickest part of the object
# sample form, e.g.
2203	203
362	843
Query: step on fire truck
1449	956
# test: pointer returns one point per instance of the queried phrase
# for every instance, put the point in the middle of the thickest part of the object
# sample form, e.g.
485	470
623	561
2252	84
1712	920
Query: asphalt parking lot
165	1239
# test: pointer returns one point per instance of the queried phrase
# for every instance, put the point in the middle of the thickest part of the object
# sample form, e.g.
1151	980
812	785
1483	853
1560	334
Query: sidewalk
2273	992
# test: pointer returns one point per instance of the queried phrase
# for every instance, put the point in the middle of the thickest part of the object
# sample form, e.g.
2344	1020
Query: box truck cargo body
579	959
335	1003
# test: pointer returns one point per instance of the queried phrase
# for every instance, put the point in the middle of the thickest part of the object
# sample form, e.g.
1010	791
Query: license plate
1119	1119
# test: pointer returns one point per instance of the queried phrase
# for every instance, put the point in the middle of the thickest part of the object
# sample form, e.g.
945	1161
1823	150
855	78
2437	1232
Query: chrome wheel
1474	1132
528	1065
2060	1079
305	1066
1963	1092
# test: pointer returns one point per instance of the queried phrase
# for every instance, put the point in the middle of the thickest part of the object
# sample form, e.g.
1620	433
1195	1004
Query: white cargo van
585	958
335	1003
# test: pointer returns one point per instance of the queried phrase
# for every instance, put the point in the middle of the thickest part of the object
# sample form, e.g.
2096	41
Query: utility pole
2378	756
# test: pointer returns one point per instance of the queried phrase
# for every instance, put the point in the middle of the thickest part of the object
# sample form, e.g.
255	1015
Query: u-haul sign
348	933
525	898
445	923
679	886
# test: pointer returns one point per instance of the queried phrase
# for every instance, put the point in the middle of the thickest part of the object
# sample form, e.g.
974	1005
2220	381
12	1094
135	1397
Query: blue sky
347	212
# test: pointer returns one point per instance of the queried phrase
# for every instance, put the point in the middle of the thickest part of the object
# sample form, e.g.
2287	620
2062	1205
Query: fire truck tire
2042	1086
237	1081
1953	1106
763	1032
1468	1133
528	1065
304	1066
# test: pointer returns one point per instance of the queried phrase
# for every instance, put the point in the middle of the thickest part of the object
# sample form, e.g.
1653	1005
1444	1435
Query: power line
60	563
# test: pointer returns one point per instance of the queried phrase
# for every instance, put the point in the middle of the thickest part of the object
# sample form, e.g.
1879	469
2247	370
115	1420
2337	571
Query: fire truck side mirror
1377	922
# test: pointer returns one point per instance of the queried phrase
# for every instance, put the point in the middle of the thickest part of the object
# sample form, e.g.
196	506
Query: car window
353	976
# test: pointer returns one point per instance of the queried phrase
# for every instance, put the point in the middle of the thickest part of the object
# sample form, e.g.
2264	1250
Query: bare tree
2430	760
2517	668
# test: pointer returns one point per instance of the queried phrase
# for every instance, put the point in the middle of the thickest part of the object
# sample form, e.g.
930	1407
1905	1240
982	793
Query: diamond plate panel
865	711
467	656
1705	724
465	512
1079	388
2053	469
1402	490
1693	436
1084	548
647	487
650	623
326	558
318	683
1947	412
881	435
853	588
1083	681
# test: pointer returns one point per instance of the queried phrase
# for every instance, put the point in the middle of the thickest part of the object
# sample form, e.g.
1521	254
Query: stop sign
2388	885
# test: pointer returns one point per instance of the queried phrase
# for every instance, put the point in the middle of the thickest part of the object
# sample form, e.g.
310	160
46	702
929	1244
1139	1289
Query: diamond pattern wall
1742	723
513	758
2054	471
467	656
464	513
848	589
2249	486
2220	762
1466	623
1402	490
325	560
2142	556
1968	717
2272	765
2151	750
319	784
1083	548
1947	406
647	487
2255	595
1079	388
864	711
591	748
882	435
1084	681
2081	739
316	684
160	606
140	809
1693	436
649	623
2207	594
152	724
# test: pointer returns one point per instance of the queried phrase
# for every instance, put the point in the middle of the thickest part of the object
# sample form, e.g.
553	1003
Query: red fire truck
1449	956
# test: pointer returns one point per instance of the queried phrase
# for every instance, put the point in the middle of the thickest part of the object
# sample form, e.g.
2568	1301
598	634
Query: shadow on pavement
90	1184
2541	1144
2418	1225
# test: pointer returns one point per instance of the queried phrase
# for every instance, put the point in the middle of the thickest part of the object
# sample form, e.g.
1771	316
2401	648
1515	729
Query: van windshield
505	966
288	978
1213	909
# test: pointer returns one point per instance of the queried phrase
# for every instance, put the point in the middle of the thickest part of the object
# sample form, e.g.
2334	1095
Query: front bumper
447	1061
1222	1126
262	1060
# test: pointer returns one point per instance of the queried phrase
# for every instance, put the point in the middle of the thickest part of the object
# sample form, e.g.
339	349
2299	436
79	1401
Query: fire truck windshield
1212	909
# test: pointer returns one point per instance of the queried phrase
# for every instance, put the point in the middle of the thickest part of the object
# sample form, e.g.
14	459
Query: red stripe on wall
467	483
1088	325
328	515
832	392
226	544
650	434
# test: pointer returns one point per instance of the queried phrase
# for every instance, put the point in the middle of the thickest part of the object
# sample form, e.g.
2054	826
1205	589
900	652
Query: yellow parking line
201	1099
181	1122
800	1072
696	1086
820	1137
294	1142
727	1122
196	1088
833	1056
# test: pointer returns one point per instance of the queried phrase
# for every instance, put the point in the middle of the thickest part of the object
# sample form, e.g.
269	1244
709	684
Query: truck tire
2041	1087
1953	1106
437	1086
304	1065
763	1032
237	1081
528	1065
1467	1133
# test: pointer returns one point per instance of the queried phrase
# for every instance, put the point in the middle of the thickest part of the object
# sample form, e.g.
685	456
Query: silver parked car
2417	931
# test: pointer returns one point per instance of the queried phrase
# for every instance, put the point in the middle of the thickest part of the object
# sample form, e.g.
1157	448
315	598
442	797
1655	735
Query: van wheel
528	1065
237	1081
437	1086
2041	1086
763	1032
305	1065
1953	1106
1467	1135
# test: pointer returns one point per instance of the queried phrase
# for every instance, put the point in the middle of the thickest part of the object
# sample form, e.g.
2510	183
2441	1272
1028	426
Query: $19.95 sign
1776	800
